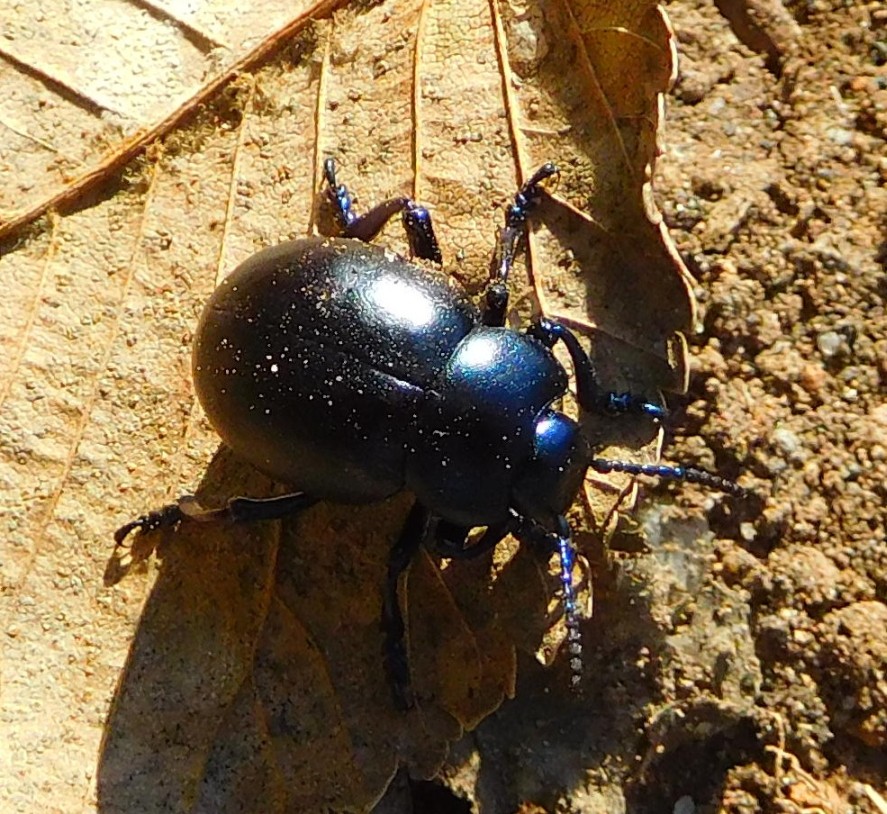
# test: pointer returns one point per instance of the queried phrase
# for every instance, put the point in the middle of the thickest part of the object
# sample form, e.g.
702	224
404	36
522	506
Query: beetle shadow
627	741
669	701
187	657
235	697
633	298
255	672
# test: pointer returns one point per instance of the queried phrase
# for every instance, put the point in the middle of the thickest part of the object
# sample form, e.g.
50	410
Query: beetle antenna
567	554
687	474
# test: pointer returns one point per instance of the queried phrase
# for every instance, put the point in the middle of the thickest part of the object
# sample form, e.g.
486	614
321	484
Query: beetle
350	373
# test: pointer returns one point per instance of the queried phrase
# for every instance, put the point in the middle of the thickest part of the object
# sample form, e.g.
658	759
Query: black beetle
340	368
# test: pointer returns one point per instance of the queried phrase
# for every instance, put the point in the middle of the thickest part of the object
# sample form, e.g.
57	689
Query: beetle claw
163	518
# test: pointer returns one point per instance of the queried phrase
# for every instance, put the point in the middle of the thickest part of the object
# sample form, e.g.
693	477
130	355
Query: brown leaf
86	92
254	681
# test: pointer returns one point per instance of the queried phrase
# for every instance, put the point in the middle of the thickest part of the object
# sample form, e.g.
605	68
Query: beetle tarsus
613	404
164	518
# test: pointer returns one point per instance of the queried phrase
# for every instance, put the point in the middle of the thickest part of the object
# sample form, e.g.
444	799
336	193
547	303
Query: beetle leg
525	200
163	518
560	542
416	218
236	510
415	532
588	390
567	555
688	474
594	399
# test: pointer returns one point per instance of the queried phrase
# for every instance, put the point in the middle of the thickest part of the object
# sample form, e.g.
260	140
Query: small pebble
786	440
830	343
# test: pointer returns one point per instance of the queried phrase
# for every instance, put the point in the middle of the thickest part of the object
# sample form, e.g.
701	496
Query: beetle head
549	482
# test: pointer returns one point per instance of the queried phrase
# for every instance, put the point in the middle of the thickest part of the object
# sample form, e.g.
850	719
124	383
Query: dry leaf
254	681
85	89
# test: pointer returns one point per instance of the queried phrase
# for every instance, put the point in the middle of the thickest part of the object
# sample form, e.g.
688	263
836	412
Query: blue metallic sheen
339	368
475	431
547	485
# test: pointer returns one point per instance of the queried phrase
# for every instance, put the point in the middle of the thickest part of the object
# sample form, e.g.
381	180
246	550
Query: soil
749	675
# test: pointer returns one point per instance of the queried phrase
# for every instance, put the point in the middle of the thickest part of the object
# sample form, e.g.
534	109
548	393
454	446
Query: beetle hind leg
416	218
236	510
166	517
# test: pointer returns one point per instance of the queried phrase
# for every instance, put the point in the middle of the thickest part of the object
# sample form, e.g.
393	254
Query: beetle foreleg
591	395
